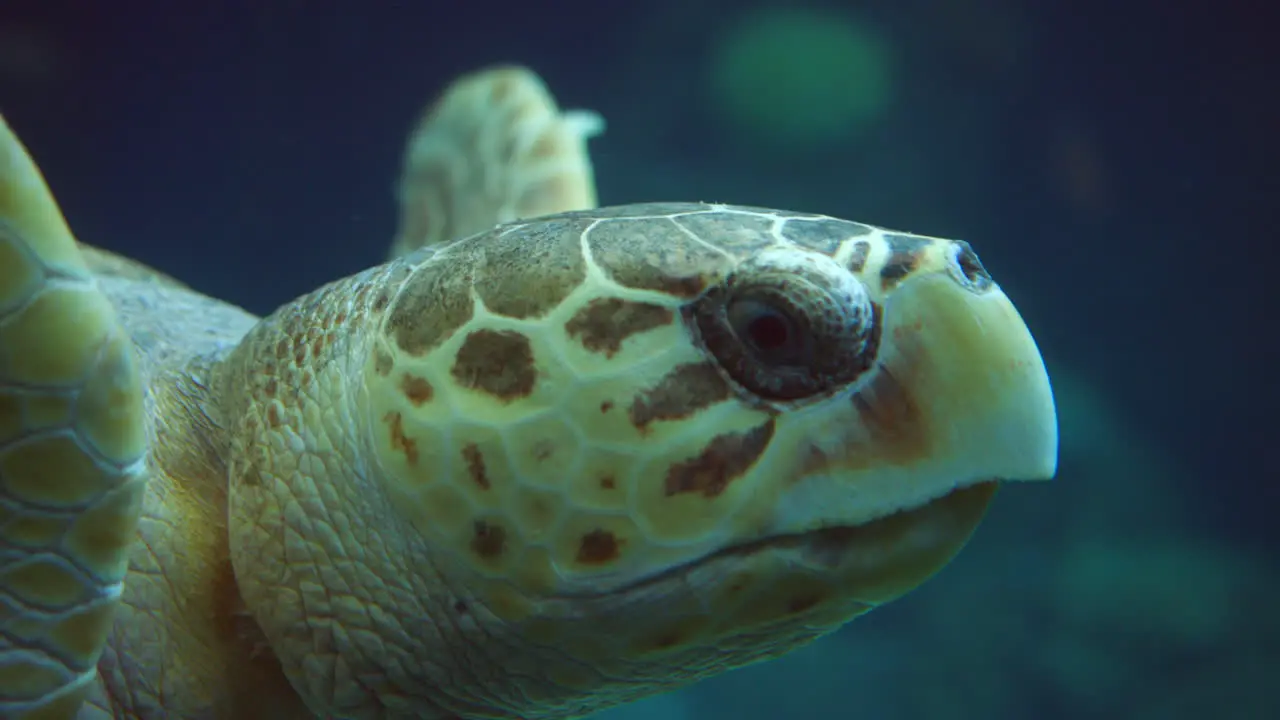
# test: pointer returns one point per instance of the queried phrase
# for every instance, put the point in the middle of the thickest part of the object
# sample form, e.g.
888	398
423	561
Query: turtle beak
959	396
983	395
900	472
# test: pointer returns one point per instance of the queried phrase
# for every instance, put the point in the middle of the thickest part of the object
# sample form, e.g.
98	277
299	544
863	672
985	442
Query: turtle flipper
73	445
494	147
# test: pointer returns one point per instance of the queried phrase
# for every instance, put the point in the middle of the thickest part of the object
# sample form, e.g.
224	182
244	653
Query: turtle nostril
971	273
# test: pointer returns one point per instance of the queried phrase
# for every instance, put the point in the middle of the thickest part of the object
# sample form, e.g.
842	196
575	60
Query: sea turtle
529	471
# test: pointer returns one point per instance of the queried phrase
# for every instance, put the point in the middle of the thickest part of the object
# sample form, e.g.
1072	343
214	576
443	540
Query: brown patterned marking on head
269	388
474	459
527	272
858	259
905	252
682	392
726	458
604	323
739	234
416	389
400	441
824	235
434	303
892	416
488	540
496	362
895	425
655	254
599	547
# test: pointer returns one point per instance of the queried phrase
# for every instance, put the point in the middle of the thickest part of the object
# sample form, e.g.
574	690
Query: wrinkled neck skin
269	582
182	645
181	610
345	595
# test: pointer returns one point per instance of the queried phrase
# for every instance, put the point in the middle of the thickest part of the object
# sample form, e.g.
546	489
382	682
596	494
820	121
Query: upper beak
959	396
978	377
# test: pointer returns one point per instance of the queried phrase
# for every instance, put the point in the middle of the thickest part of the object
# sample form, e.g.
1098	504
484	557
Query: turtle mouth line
827	544
824	548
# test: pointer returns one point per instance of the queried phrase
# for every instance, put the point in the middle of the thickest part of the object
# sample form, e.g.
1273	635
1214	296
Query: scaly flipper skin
72	453
494	148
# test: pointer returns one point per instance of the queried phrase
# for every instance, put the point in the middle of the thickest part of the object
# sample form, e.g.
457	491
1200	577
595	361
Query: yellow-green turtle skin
563	463
73	447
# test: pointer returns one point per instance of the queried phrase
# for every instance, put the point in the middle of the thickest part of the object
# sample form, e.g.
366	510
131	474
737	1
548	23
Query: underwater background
1115	164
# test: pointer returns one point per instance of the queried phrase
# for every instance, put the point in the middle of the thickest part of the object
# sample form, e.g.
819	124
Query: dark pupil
768	332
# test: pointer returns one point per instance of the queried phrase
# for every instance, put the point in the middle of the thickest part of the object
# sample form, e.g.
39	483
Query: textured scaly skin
511	476
461	489
73	446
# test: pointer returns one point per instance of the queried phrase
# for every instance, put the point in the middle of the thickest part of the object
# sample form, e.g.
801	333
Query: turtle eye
788	328
769	332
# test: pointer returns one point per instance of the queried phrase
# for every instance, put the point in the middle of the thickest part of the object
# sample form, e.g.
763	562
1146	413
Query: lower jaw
880	560
874	562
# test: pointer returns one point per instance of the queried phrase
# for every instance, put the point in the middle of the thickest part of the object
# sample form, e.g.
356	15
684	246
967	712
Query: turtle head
636	446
